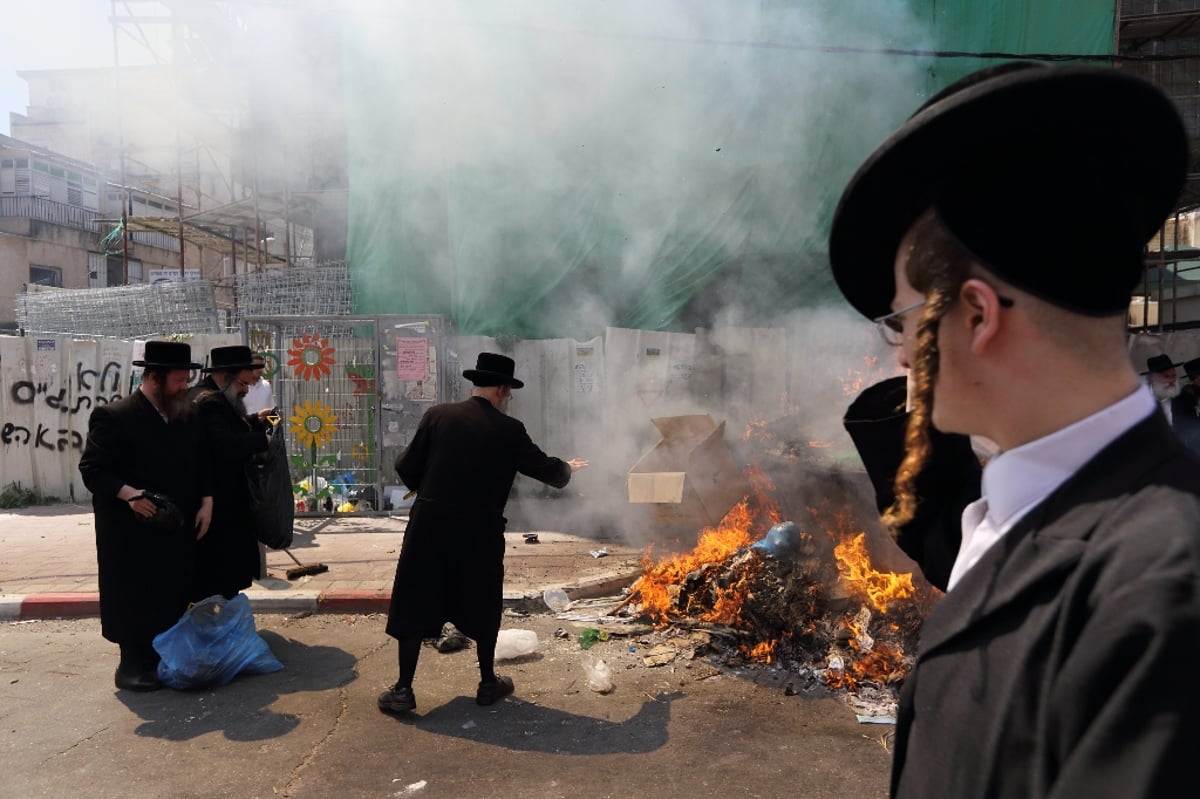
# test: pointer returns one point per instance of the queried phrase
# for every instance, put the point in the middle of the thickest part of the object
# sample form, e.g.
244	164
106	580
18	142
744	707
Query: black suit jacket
1062	664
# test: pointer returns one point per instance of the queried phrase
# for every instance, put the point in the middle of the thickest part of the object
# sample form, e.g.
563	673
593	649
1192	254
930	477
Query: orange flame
658	588
883	664
763	651
881	589
746	522
756	429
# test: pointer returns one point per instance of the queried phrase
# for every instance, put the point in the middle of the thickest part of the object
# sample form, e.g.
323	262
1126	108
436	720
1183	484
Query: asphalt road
684	729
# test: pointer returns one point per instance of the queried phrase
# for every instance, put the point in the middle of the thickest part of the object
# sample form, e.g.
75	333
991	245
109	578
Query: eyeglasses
891	326
243	383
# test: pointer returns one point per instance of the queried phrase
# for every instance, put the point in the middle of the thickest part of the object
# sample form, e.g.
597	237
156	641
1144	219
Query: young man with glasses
996	238
227	559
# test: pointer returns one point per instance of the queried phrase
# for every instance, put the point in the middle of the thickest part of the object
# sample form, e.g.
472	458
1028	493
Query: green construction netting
541	169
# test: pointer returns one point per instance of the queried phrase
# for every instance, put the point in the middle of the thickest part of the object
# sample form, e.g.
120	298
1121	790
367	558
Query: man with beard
1186	406
146	469
227	560
997	237
462	461
1164	382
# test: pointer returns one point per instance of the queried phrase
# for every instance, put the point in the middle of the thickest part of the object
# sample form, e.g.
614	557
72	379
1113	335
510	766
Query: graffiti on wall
85	388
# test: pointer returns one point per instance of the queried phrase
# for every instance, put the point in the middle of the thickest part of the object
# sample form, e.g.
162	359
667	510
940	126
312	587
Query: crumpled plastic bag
597	674
213	642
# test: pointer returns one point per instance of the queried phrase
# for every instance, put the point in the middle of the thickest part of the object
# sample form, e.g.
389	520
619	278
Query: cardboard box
689	477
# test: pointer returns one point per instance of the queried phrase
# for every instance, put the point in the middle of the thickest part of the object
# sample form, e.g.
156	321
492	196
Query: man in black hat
1164	382
462	462
227	559
996	238
143	459
1185	408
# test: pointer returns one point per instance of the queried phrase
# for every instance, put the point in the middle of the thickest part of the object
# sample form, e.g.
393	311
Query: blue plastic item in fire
781	539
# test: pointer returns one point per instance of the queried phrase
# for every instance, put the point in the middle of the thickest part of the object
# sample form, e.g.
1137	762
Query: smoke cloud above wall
547	169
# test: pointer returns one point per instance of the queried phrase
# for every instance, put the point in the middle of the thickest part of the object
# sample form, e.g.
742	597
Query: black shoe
491	692
137	681
397	699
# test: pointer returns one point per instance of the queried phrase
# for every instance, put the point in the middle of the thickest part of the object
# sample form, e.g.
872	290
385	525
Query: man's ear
982	306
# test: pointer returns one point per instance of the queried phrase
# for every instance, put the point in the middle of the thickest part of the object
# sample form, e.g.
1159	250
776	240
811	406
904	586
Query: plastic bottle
515	643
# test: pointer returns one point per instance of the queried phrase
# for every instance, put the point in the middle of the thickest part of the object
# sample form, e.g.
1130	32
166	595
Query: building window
45	275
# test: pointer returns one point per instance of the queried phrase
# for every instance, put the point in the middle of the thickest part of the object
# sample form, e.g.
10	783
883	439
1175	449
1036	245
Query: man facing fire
998	235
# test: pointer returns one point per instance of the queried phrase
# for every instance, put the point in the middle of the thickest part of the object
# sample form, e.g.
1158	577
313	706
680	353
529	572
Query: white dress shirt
259	397
1016	481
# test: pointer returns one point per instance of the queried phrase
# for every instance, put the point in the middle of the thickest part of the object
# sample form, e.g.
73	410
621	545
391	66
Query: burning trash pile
801	597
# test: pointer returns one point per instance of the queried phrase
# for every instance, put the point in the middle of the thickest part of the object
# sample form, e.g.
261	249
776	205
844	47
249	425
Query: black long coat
1184	419
876	422
227	558
1062	663
462	461
145	572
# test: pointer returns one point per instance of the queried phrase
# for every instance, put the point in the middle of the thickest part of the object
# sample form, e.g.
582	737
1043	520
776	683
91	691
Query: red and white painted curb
83	605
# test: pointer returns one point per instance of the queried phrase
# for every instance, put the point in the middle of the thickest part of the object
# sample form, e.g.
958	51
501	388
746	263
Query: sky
58	34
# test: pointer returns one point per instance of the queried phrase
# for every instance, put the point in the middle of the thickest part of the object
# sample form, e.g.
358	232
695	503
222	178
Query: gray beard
231	394
1162	391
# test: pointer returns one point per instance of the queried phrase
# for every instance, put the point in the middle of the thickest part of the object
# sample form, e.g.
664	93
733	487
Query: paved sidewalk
48	565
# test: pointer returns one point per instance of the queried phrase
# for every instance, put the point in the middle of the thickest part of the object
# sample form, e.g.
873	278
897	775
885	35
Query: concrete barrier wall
593	399
49	387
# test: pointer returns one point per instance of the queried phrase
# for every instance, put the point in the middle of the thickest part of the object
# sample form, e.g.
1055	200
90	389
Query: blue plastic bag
782	539
213	642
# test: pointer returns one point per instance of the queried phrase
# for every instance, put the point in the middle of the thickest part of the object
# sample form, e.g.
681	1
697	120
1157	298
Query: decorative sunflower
311	356
313	424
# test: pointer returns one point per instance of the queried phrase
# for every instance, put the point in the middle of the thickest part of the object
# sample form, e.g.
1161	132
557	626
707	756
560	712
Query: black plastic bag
213	642
167	516
271	501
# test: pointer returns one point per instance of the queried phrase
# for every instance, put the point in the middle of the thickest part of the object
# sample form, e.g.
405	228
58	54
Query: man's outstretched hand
577	463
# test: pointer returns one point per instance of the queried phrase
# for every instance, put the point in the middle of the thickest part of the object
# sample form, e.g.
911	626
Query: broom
301	569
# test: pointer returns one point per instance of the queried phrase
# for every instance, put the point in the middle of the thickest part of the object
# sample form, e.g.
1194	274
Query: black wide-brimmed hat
492	369
1192	368
1160	363
1053	178
235	357
167	355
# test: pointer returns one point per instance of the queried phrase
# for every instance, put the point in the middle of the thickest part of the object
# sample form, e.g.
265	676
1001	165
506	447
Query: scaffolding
239	167
1160	40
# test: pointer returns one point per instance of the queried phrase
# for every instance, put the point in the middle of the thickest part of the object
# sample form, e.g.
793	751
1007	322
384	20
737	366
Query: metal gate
350	391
